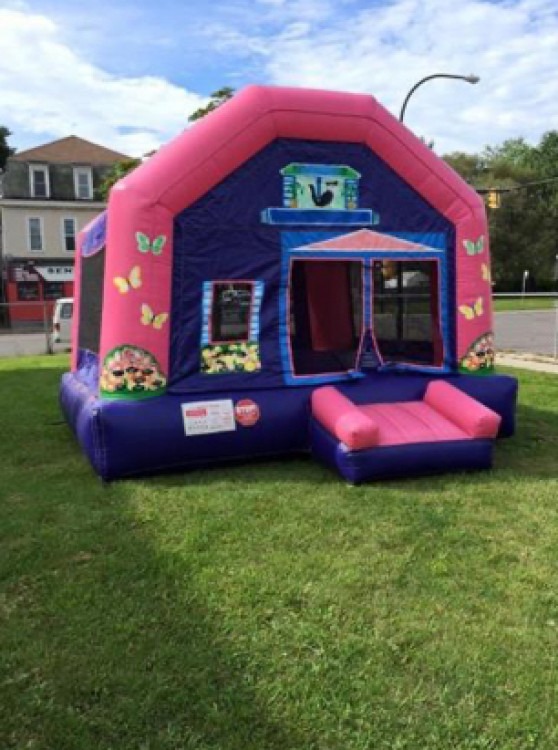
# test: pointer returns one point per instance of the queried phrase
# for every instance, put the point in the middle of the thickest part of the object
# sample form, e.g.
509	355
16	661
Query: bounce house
295	272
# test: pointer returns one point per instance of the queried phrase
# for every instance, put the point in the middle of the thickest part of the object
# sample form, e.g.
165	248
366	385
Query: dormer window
83	183
39	182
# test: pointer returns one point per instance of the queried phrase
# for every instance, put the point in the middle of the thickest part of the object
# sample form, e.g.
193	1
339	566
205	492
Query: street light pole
556	312
469	79
524	286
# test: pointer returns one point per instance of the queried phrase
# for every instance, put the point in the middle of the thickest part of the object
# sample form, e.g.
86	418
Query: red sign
199	412
246	412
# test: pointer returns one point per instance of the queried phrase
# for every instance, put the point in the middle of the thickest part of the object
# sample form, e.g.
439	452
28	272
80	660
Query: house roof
70	150
364	239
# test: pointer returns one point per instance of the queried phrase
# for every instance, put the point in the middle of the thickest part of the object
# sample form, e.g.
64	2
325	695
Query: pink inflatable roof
217	145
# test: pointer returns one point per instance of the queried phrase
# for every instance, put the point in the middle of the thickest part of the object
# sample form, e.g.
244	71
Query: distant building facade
47	195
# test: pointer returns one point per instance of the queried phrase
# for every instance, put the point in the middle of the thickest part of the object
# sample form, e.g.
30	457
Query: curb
533	362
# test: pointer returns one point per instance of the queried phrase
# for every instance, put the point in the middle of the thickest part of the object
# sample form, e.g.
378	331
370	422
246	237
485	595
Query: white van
62	321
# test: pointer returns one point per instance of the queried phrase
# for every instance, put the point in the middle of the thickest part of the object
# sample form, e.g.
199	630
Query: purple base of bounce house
124	440
290	240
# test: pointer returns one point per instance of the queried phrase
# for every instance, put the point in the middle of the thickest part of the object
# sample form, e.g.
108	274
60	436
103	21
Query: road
531	332
18	344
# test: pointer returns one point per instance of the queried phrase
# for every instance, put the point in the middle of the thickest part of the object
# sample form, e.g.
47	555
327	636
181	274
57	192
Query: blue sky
128	74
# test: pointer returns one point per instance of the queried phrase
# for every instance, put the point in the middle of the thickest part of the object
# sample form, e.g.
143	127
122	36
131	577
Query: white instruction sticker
206	417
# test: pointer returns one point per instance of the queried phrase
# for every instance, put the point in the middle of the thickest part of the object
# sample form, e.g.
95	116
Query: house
292	240
47	195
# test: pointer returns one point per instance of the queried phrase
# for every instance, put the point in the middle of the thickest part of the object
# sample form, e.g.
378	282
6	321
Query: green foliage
515	304
270	606
5	150
470	166
523	230
514	151
217	98
117	172
122	168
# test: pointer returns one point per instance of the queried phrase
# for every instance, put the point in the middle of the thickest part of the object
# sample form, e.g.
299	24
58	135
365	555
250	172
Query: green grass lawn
512	304
271	606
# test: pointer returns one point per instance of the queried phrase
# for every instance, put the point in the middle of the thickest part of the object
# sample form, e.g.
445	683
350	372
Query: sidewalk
526	361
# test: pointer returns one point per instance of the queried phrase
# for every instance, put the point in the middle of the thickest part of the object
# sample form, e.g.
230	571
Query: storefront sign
30	272
56	273
22	273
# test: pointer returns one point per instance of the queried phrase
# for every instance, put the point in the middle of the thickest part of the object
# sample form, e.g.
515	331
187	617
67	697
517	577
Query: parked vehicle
62	321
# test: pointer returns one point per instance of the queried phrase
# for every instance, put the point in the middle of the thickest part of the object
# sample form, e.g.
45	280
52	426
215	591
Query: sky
127	73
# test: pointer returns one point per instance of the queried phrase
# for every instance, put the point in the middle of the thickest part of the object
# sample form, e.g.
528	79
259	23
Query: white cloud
49	89
385	48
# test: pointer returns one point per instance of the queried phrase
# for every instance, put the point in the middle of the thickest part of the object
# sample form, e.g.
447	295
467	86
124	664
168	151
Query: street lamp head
469	79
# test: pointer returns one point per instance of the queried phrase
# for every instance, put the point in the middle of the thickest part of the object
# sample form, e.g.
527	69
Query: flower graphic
230	358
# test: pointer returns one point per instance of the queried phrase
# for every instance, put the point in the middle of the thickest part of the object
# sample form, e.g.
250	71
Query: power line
485	190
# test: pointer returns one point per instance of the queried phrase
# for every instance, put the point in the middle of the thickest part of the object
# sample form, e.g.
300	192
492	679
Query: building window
35	234
83	182
69	234
38	177
28	291
53	289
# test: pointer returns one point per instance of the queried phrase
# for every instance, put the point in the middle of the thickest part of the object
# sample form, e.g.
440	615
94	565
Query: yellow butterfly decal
486	275
148	317
472	311
132	281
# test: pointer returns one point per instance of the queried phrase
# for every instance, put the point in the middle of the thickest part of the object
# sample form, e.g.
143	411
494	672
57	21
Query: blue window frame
293	250
231	326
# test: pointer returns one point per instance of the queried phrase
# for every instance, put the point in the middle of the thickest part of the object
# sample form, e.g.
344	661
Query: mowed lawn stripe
271	606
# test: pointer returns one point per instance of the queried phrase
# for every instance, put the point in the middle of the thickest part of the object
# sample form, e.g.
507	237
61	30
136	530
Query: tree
118	170
122	168
5	150
523	230
470	166
217	98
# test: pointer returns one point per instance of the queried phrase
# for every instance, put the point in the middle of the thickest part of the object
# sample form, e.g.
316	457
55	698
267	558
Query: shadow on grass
107	640
109	643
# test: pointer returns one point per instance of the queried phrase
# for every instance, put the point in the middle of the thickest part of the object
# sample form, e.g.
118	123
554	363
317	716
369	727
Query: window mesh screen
91	301
230	314
406	311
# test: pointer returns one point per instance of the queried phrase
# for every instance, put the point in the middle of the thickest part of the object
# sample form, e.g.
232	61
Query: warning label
207	417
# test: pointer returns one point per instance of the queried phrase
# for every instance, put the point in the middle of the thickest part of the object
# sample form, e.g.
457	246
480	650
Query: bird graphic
321	199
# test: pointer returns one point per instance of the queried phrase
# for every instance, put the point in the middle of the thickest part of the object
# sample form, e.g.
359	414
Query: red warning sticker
246	412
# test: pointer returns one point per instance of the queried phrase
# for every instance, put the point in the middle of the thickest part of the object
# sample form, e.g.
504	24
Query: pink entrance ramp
446	430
